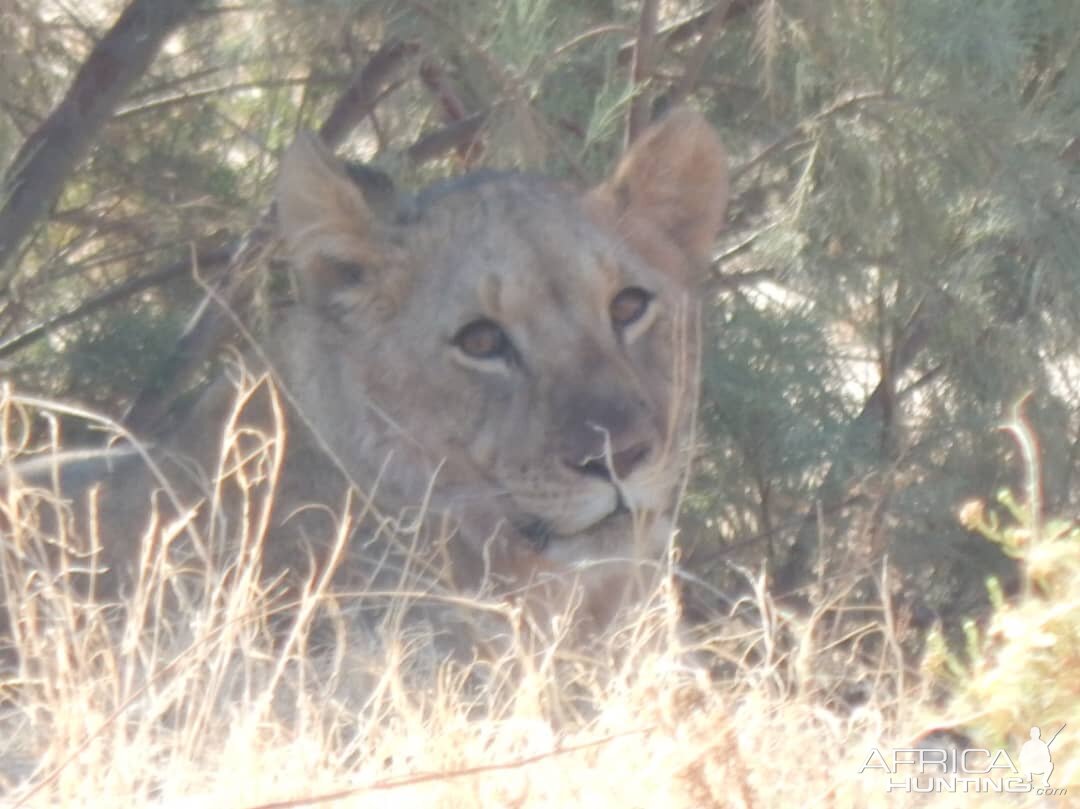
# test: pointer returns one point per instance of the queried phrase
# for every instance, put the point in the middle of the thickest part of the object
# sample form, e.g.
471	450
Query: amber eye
483	340
628	306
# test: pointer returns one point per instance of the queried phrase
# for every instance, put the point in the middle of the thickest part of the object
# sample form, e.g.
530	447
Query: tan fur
381	397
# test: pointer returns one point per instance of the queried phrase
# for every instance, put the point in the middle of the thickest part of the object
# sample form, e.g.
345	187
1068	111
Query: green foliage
143	335
908	199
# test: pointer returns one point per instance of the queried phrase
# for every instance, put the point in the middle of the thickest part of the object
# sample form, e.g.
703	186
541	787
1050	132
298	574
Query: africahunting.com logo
961	769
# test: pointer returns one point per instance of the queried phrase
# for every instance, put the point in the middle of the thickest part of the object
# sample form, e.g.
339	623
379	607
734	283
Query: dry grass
220	689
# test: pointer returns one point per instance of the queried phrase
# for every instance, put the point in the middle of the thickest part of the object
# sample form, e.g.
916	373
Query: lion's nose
623	462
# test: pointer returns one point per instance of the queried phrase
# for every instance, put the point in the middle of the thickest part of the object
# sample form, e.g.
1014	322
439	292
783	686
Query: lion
504	359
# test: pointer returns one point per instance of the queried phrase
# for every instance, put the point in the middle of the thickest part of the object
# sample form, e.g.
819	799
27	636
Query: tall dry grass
203	684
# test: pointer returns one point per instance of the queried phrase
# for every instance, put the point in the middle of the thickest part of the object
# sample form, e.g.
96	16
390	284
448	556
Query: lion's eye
343	271
483	340
629	306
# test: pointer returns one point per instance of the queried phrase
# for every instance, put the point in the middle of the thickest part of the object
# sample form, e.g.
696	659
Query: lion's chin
618	516
622	535
540	529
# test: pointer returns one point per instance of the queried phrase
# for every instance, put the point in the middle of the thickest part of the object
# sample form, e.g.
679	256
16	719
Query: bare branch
454	112
749	278
359	98
713	25
680	32
454	136
434	79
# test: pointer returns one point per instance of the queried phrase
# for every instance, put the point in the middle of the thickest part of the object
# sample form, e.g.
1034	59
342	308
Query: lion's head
521	344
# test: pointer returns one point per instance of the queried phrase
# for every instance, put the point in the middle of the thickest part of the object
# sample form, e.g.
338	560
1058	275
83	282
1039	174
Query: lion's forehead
516	245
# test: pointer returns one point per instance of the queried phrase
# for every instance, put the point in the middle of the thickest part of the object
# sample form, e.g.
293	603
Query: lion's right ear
328	226
670	188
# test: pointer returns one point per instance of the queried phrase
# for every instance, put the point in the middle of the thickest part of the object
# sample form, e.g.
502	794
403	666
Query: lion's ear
674	178
329	228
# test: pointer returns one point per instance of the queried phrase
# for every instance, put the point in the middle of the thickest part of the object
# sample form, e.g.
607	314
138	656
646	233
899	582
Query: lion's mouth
540	533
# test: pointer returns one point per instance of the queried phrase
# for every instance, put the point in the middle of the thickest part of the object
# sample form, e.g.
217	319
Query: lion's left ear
673	182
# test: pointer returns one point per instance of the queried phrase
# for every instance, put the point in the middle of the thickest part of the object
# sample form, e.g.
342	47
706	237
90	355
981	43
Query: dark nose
623	462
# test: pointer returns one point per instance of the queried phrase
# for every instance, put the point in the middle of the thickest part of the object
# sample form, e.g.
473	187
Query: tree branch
453	136
641	72
680	32
38	173
191	96
874	415
359	98
454	111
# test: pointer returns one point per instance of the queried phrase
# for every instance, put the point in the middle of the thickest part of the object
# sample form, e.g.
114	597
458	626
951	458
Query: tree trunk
875	416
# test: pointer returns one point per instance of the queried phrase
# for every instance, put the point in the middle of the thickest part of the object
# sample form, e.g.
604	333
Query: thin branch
446	775
777	145
99	221
198	95
155	89
119	292
743	245
641	72
104	257
585	36
677	33
801	129
927	378
750	278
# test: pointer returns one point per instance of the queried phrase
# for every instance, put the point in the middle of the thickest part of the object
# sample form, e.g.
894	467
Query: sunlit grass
207	685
